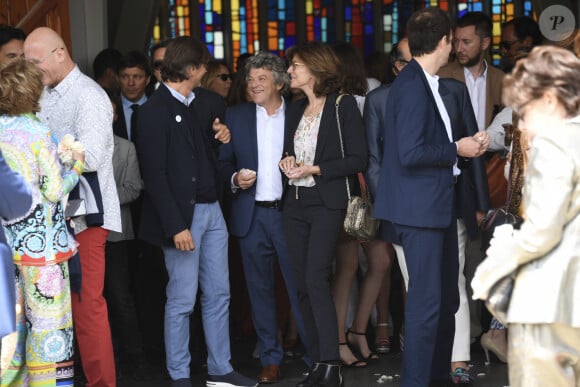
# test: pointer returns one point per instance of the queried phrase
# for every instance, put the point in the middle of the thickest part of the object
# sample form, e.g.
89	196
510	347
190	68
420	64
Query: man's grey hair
273	63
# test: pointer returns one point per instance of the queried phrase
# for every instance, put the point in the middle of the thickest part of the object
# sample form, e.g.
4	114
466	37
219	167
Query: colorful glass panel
320	20
443	4
212	26
464	6
281	25
359	24
245	27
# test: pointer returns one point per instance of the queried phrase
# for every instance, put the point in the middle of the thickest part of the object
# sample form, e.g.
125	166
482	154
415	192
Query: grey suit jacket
129	185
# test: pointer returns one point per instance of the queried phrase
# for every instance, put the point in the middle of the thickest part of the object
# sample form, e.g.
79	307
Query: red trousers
89	309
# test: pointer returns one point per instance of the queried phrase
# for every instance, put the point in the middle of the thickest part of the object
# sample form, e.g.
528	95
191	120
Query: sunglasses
157	64
507	45
224	77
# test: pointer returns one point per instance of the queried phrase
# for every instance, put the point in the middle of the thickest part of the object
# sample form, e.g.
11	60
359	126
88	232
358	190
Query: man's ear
485	42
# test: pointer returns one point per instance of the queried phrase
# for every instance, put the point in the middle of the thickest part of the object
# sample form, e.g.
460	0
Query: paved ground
493	375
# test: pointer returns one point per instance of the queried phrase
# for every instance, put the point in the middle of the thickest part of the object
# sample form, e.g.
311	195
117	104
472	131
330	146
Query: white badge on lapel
178	118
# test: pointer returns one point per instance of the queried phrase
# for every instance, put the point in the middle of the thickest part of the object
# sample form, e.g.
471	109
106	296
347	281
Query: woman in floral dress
40	242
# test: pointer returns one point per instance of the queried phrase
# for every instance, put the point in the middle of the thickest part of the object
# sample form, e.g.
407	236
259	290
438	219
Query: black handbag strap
336	105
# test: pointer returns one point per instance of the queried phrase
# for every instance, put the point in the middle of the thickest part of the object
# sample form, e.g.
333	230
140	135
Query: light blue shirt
129	112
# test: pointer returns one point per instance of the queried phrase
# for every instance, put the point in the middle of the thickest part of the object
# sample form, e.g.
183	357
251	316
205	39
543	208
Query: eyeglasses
296	64
507	45
39	61
157	64
224	77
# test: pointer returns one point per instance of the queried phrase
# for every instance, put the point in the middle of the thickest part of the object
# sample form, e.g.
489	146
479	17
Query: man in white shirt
250	164
74	104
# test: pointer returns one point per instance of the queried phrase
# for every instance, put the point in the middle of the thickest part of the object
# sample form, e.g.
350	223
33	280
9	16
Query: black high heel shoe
358	363
372	356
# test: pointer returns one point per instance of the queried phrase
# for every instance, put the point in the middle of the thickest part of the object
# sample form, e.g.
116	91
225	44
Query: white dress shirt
270	134
80	107
433	81
476	89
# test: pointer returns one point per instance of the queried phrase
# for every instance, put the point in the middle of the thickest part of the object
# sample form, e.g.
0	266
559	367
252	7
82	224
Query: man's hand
480	216
222	133
469	147
483	138
183	241
245	178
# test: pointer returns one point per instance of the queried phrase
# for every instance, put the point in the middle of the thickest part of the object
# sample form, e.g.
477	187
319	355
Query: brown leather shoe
269	374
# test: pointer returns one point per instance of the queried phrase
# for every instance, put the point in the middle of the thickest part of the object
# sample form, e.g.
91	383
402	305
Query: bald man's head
45	48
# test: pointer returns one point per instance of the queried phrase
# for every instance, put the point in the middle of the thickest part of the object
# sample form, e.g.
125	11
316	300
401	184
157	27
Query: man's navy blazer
472	190
168	160
331	183
242	152
416	185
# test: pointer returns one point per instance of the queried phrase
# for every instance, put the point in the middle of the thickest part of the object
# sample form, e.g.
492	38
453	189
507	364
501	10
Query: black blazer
333	167
168	159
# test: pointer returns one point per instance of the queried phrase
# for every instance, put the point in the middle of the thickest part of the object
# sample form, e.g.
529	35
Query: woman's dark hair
352	69
322	63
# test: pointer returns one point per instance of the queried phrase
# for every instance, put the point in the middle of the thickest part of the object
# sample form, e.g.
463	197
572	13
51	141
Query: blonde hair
546	69
20	88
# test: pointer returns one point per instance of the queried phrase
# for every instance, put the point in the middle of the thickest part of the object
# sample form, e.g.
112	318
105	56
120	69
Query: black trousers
312	231
121	305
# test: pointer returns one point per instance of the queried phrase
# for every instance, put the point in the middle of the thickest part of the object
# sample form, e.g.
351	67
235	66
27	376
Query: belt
268	204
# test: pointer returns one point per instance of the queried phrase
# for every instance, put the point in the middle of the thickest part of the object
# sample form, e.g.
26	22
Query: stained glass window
212	26
281	25
245	30
320	23
443	4
501	11
528	9
464	6
358	16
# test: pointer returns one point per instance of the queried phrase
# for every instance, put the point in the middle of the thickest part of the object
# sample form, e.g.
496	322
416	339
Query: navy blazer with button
242	152
472	188
416	185
167	159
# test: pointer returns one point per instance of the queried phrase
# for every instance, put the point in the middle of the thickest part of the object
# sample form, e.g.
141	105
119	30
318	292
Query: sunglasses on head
224	77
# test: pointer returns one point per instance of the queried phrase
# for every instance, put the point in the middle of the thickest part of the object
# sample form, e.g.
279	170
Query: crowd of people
126	198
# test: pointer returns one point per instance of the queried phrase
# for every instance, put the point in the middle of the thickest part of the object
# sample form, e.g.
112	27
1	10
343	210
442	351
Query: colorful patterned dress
41	246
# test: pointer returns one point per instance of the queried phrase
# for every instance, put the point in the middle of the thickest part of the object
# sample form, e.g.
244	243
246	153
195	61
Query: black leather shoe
323	375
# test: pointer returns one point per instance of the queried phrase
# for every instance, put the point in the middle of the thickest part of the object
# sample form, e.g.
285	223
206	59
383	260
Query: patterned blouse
305	140
39	238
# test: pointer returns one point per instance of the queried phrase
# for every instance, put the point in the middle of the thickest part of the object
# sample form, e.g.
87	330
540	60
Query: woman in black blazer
315	196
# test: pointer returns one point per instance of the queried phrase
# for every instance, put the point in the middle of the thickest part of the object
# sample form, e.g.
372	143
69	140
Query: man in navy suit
250	165
416	193
15	201
179	131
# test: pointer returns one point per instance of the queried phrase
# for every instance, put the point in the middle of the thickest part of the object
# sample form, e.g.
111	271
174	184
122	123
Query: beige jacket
547	247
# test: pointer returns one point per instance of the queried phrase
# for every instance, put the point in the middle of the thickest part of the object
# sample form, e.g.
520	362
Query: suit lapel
253	134
448	101
328	114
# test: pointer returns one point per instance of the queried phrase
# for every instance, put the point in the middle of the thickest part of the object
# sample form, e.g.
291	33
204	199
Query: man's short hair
109	58
479	20
157	46
269	61
426	28
524	27
135	59
182	53
8	33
